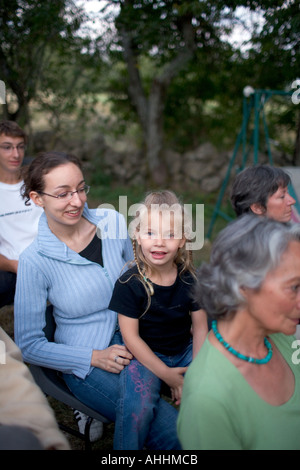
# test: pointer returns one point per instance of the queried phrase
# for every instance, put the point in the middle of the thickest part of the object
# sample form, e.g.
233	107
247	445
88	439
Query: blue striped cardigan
78	289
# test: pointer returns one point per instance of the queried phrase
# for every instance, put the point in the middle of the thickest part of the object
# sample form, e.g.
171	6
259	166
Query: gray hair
242	255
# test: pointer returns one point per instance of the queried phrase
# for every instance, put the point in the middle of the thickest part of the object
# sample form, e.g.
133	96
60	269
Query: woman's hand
112	359
174	379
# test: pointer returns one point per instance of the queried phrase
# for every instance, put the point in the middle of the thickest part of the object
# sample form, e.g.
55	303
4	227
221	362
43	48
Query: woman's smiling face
66	177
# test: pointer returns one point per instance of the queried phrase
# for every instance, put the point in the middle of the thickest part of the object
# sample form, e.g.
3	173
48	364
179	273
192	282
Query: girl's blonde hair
163	200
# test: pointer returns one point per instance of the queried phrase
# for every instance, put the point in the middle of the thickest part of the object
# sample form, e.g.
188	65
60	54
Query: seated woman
263	190
73	263
242	391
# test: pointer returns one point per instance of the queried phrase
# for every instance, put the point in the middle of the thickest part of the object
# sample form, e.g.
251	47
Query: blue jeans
101	391
136	414
183	359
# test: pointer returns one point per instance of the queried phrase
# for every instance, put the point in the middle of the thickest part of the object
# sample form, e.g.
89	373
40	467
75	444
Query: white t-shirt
18	223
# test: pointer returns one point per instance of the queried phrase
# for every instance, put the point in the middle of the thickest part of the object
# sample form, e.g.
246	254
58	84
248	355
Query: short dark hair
41	166
12	129
255	185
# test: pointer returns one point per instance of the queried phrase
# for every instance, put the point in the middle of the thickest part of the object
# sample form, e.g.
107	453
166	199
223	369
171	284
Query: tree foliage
184	78
30	33
273	62
167	66
171	36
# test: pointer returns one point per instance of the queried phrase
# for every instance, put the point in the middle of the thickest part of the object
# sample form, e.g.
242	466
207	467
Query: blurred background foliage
153	74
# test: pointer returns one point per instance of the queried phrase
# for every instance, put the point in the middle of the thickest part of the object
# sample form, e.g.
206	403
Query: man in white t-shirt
18	223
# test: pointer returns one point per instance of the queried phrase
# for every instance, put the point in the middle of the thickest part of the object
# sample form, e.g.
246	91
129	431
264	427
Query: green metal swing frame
255	102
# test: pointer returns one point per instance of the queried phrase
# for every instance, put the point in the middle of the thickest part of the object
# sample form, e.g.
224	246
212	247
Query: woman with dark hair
242	391
73	263
263	190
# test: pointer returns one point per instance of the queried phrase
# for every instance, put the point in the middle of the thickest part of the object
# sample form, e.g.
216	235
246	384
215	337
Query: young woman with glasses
73	263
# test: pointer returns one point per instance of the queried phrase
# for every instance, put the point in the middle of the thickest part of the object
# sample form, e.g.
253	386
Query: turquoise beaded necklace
239	355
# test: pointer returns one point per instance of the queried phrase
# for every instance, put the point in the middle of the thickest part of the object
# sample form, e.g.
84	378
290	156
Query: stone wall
202	168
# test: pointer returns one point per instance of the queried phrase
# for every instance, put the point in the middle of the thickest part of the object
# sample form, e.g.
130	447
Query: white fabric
18	223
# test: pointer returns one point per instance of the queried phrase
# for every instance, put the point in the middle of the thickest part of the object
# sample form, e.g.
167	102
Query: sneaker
96	427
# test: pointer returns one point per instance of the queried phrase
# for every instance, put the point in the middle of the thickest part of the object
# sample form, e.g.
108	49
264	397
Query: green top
220	410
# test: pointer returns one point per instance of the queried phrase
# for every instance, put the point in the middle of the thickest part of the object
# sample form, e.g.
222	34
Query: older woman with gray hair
242	391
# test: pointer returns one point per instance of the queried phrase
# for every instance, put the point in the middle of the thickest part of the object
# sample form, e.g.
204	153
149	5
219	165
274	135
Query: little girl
154	297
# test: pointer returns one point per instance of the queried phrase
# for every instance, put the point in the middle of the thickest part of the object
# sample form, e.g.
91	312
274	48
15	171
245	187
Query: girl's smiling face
160	237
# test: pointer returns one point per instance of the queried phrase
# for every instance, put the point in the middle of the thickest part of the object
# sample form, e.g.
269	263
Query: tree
150	109
29	33
170	36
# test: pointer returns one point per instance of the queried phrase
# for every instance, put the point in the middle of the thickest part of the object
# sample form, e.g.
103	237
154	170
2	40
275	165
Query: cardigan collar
49	245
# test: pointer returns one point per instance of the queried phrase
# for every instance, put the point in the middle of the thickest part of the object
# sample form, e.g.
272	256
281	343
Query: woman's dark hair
41	166
255	185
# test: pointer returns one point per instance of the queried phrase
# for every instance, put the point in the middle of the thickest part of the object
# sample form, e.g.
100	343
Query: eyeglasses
67	195
8	148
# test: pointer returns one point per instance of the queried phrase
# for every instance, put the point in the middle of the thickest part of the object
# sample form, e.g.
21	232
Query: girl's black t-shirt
166	326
